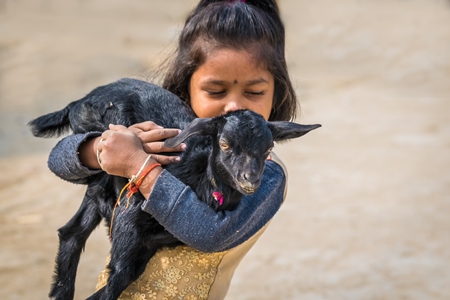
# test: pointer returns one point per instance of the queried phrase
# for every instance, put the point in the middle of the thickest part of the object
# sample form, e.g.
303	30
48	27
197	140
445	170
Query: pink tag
218	197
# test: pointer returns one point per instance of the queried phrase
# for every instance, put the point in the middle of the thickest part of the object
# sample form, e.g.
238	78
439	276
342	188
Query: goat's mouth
248	191
248	188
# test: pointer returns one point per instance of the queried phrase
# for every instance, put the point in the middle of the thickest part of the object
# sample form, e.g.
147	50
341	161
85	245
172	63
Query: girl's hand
120	152
152	138
123	150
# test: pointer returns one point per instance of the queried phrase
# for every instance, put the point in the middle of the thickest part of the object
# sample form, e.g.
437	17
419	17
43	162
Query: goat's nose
251	177
250	182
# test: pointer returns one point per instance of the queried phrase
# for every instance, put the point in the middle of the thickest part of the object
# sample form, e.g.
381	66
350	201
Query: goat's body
124	102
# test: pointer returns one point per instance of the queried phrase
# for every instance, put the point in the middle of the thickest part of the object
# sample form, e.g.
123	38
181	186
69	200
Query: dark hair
254	26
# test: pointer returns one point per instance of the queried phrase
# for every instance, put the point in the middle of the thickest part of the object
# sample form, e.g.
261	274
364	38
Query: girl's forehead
218	53
234	64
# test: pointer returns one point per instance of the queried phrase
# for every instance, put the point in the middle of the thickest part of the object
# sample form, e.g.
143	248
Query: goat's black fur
136	236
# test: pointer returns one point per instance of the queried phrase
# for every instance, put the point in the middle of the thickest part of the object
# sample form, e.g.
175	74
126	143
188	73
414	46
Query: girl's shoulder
273	157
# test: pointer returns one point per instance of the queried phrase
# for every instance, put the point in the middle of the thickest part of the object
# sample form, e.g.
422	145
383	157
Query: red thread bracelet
132	188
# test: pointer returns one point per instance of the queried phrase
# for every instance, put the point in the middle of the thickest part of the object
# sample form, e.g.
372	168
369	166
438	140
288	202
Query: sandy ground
367	214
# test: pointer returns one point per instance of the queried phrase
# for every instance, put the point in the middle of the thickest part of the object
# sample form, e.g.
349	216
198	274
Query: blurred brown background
368	208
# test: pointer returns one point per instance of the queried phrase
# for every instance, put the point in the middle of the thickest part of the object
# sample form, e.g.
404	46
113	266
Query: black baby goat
207	166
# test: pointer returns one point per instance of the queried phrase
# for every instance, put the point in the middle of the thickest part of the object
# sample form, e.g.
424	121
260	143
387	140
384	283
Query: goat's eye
224	146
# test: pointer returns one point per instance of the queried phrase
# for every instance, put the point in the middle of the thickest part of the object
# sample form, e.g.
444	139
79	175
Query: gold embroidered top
186	273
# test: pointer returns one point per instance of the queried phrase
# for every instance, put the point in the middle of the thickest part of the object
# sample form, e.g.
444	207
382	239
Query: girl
230	56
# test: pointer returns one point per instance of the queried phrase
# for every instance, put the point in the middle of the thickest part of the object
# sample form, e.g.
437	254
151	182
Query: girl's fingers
153	141
165	160
152	137
122	141
156	135
117	127
145	126
158	147
150	132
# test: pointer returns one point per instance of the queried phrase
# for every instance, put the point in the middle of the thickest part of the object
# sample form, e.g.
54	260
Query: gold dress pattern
178	273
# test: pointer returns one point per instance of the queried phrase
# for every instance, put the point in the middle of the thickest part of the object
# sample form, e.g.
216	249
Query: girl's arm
192	221
74	158
170	201
64	160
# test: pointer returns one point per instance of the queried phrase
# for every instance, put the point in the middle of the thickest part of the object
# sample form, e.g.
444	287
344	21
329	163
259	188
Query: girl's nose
233	104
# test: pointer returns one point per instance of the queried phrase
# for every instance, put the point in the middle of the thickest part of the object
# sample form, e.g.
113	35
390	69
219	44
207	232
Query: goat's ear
201	126
283	130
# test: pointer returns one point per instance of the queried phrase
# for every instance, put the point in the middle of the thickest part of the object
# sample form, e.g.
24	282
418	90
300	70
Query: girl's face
231	80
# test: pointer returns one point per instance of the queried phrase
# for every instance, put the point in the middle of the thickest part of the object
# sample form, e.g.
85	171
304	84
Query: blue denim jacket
178	208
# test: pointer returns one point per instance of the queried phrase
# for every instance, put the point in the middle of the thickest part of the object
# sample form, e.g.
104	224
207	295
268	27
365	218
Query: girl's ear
283	130
207	126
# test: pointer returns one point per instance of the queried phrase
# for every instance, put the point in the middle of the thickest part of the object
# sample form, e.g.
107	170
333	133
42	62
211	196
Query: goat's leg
72	239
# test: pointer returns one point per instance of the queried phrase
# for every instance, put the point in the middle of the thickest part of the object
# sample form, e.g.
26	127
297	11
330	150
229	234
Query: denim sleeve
192	221
64	162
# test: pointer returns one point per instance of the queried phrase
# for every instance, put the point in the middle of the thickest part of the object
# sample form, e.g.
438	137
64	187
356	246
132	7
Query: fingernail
160	127
183	147
177	158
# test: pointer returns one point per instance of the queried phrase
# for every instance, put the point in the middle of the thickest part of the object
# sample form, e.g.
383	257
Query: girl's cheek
205	108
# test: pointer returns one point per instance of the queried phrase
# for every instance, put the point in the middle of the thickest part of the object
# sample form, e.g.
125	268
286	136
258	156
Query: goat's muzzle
248	188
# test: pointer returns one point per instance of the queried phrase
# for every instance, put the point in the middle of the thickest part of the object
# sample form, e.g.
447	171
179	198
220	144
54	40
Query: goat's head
242	141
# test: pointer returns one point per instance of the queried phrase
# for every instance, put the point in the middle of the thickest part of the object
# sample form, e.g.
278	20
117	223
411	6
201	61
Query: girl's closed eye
215	93
256	93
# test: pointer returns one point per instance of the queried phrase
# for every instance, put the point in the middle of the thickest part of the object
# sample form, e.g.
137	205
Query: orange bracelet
132	188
